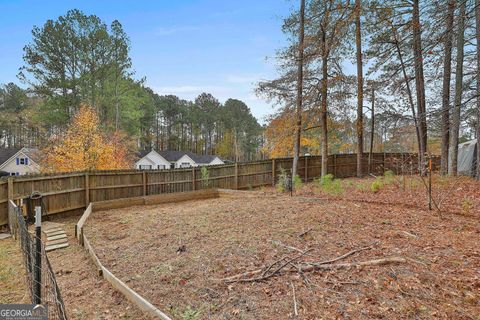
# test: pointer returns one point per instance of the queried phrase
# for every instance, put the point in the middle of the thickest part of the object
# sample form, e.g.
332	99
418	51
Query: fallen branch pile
288	265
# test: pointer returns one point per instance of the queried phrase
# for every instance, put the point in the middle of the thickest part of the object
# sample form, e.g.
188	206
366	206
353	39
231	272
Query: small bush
362	187
297	182
376	185
205	176
329	184
388	177
467	206
283	181
348	183
188	313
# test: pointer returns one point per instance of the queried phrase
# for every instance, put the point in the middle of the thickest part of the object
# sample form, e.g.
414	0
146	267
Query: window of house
22	161
145	167
185	165
160	166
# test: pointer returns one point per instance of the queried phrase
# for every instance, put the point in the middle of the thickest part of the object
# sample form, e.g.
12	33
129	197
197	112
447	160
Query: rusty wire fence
46	290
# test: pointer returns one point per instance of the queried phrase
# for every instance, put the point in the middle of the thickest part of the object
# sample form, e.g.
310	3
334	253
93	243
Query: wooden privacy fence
74	191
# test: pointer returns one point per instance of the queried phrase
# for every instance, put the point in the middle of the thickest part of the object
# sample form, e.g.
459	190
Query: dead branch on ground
287	265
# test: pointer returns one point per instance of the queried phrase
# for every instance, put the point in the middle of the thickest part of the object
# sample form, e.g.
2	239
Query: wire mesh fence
41	281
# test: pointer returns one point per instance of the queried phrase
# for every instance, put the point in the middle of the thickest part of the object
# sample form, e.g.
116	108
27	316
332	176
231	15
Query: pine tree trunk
407	85
323	112
419	83
372	132
358	32
447	74
477	15
455	129
298	114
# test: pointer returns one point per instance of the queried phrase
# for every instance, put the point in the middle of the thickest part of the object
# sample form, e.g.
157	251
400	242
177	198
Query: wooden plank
134	297
181	196
117	203
81	222
87	189
50	212
48	177
144	183
273	172
49	225
193	179
10	188
91	252
52	230
116	186
51	193
56	246
54	233
236	175
56	237
52	242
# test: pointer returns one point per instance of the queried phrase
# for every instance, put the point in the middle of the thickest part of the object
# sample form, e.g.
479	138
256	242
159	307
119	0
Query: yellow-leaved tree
85	147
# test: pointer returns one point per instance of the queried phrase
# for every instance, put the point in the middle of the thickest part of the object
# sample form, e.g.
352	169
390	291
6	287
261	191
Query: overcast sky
181	47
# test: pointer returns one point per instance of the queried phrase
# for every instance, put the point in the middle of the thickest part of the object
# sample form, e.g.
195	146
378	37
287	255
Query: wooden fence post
384	160
273	172
10	188
87	189
334	165
193	178
306	169
236	175
144	181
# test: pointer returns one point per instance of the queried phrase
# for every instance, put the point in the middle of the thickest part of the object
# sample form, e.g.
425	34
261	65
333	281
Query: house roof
204	158
33	154
7	153
143	153
172	156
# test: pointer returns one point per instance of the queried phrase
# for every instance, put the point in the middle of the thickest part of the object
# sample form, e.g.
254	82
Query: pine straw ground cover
176	255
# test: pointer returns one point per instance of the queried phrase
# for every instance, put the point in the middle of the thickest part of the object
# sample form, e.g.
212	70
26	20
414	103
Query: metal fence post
38	257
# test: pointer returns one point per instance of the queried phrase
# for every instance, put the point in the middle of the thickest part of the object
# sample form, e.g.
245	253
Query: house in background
167	159
19	161
150	160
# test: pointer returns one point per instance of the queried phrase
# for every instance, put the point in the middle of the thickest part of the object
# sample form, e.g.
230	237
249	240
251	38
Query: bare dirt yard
178	255
86	295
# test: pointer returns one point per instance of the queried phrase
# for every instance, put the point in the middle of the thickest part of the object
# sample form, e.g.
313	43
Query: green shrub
329	184
467	206
297	182
362	187
388	177
283	180
376	185
205	176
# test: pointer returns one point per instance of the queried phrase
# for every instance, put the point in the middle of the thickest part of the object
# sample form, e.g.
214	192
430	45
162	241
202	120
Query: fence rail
49	293
74	191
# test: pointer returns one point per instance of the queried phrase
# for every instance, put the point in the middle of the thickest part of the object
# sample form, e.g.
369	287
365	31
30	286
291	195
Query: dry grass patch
12	274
